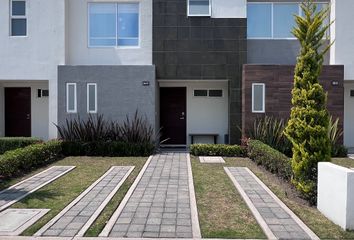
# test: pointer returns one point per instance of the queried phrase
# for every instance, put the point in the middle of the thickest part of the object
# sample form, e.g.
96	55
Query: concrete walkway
78	216
20	190
160	203
275	218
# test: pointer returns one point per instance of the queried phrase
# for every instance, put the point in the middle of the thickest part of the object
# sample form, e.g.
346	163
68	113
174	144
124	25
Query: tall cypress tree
309	119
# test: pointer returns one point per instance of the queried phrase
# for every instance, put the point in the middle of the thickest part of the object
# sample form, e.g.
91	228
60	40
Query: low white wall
204	114
39	108
335	197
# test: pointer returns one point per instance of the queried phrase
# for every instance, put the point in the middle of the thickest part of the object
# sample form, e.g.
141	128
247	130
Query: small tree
307	128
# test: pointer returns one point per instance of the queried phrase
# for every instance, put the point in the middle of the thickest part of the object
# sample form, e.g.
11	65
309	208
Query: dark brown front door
173	115
18	112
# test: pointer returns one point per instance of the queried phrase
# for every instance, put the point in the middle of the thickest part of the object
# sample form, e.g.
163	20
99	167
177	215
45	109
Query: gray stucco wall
274	51
120	91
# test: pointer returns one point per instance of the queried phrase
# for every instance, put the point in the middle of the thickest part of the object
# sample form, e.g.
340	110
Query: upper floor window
199	8
18	17
273	20
113	24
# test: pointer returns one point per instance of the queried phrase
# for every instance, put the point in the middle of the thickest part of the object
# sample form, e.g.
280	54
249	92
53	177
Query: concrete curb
192	200
107	229
35	189
253	209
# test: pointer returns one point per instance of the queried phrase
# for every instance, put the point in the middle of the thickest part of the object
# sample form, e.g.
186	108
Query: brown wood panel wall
278	80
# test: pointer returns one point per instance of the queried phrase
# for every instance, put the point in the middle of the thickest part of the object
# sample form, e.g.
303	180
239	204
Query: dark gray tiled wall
200	48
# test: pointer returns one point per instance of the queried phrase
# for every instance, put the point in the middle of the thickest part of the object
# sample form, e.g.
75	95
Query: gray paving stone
161	198
278	220
11	195
76	217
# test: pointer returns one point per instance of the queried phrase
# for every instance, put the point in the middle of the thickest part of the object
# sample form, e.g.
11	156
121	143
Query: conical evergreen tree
309	120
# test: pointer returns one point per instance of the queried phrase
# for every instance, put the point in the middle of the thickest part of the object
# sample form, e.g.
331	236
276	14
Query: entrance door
18	112
173	115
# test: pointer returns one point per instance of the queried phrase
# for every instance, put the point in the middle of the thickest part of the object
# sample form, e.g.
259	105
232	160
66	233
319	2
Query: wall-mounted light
146	83
335	83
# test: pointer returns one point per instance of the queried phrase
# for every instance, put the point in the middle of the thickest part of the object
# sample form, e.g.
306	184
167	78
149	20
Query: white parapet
335	197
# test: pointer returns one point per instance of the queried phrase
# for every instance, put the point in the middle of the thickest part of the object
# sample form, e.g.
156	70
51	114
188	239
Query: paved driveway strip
159	204
78	216
20	190
275	218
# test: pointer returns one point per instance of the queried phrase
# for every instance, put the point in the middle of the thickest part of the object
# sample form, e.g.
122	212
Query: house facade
199	70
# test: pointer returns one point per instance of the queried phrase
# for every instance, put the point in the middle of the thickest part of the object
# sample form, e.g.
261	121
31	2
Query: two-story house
199	70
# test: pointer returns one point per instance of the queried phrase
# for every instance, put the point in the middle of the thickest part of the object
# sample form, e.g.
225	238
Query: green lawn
345	162
222	211
324	228
61	192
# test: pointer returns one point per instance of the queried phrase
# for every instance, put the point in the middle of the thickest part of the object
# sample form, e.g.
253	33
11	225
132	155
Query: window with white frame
18	18
113	24
92	98
199	7
268	20
258	97
71	98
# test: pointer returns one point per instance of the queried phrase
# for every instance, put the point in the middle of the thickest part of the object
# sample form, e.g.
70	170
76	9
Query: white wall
348	115
39	107
342	51
336	194
229	8
36	56
204	114
2	115
80	54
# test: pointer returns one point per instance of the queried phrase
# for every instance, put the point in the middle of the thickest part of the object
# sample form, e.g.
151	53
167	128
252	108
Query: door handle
181	118
28	116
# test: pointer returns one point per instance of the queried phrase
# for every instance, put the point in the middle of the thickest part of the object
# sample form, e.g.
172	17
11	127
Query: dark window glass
18	27
215	93
200	93
352	93
18	8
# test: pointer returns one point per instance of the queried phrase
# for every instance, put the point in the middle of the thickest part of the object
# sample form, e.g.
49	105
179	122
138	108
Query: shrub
307	127
271	159
11	143
216	150
270	130
96	136
23	159
334	134
111	149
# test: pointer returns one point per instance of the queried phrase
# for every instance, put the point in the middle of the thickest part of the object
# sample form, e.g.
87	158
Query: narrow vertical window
18	17
199	8
92	98
71	100
258	97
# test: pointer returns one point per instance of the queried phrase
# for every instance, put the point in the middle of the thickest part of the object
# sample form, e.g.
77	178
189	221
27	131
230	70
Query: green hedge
111	149
271	159
23	159
12	143
217	150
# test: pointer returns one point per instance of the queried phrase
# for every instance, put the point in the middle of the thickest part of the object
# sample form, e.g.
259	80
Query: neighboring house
192	67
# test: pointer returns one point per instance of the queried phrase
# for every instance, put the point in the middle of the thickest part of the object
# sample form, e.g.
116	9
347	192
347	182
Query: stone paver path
77	217
15	193
160	205
211	160
275	218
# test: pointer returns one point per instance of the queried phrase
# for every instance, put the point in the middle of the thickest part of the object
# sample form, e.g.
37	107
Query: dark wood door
18	112
173	115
